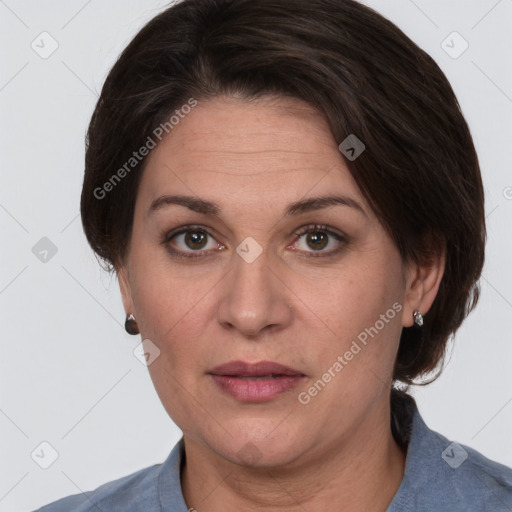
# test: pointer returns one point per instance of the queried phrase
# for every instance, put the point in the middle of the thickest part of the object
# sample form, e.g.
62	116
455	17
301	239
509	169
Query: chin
258	443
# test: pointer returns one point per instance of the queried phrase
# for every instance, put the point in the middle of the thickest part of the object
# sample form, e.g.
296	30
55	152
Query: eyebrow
210	208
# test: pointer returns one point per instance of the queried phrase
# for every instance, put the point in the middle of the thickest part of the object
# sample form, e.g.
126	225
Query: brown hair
419	172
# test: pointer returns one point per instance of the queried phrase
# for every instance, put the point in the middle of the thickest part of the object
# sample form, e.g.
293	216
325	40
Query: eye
318	237
196	241
189	240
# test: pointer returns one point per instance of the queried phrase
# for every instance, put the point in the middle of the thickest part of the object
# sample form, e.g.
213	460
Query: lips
255	382
260	369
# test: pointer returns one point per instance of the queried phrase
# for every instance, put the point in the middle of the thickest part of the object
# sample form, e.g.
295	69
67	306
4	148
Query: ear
123	276
422	284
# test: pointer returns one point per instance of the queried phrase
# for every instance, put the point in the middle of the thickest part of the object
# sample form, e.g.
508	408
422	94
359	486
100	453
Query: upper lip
245	369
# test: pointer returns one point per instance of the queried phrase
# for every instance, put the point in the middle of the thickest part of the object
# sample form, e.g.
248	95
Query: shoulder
472	479
444	475
151	489
137	491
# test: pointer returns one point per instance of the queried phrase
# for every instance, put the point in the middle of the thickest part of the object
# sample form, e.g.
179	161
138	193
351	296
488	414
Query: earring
130	325
418	318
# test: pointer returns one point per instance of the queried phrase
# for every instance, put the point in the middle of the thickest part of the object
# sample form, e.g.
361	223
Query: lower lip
256	390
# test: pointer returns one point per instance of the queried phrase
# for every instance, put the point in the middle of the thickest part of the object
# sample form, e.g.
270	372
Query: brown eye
195	239
317	240
190	242
313	239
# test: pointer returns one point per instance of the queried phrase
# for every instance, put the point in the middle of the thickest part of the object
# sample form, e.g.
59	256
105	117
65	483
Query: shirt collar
424	448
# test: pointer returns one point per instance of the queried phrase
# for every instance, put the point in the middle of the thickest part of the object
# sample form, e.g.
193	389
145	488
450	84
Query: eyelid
319	227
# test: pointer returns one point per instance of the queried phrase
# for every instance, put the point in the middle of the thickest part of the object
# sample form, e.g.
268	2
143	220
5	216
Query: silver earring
418	318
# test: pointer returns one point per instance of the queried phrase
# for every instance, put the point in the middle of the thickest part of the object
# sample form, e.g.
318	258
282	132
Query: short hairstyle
419	171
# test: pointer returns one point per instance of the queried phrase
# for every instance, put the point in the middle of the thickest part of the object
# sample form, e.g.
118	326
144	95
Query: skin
254	159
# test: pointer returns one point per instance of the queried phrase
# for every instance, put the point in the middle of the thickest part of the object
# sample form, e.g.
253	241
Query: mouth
255	382
255	377
259	369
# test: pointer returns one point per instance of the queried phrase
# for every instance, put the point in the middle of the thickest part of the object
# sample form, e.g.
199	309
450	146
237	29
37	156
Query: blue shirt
440	476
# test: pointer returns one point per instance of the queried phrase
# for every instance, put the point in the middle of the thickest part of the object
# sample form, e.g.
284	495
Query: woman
292	201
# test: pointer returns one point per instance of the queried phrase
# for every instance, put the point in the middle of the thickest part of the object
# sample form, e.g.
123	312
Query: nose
254	298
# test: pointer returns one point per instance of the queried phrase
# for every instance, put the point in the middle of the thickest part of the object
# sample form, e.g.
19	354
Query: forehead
270	149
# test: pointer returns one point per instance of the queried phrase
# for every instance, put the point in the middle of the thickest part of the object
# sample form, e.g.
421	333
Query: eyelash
311	228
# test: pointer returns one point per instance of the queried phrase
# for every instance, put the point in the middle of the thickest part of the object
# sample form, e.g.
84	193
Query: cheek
171	309
354	359
360	310
173	316
352	299
165	295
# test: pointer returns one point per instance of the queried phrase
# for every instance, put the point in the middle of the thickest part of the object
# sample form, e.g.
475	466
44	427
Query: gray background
68	373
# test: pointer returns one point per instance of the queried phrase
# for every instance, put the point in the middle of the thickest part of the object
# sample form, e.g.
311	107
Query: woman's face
319	288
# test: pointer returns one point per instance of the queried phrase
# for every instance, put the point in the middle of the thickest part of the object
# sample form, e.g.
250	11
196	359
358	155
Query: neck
362	472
